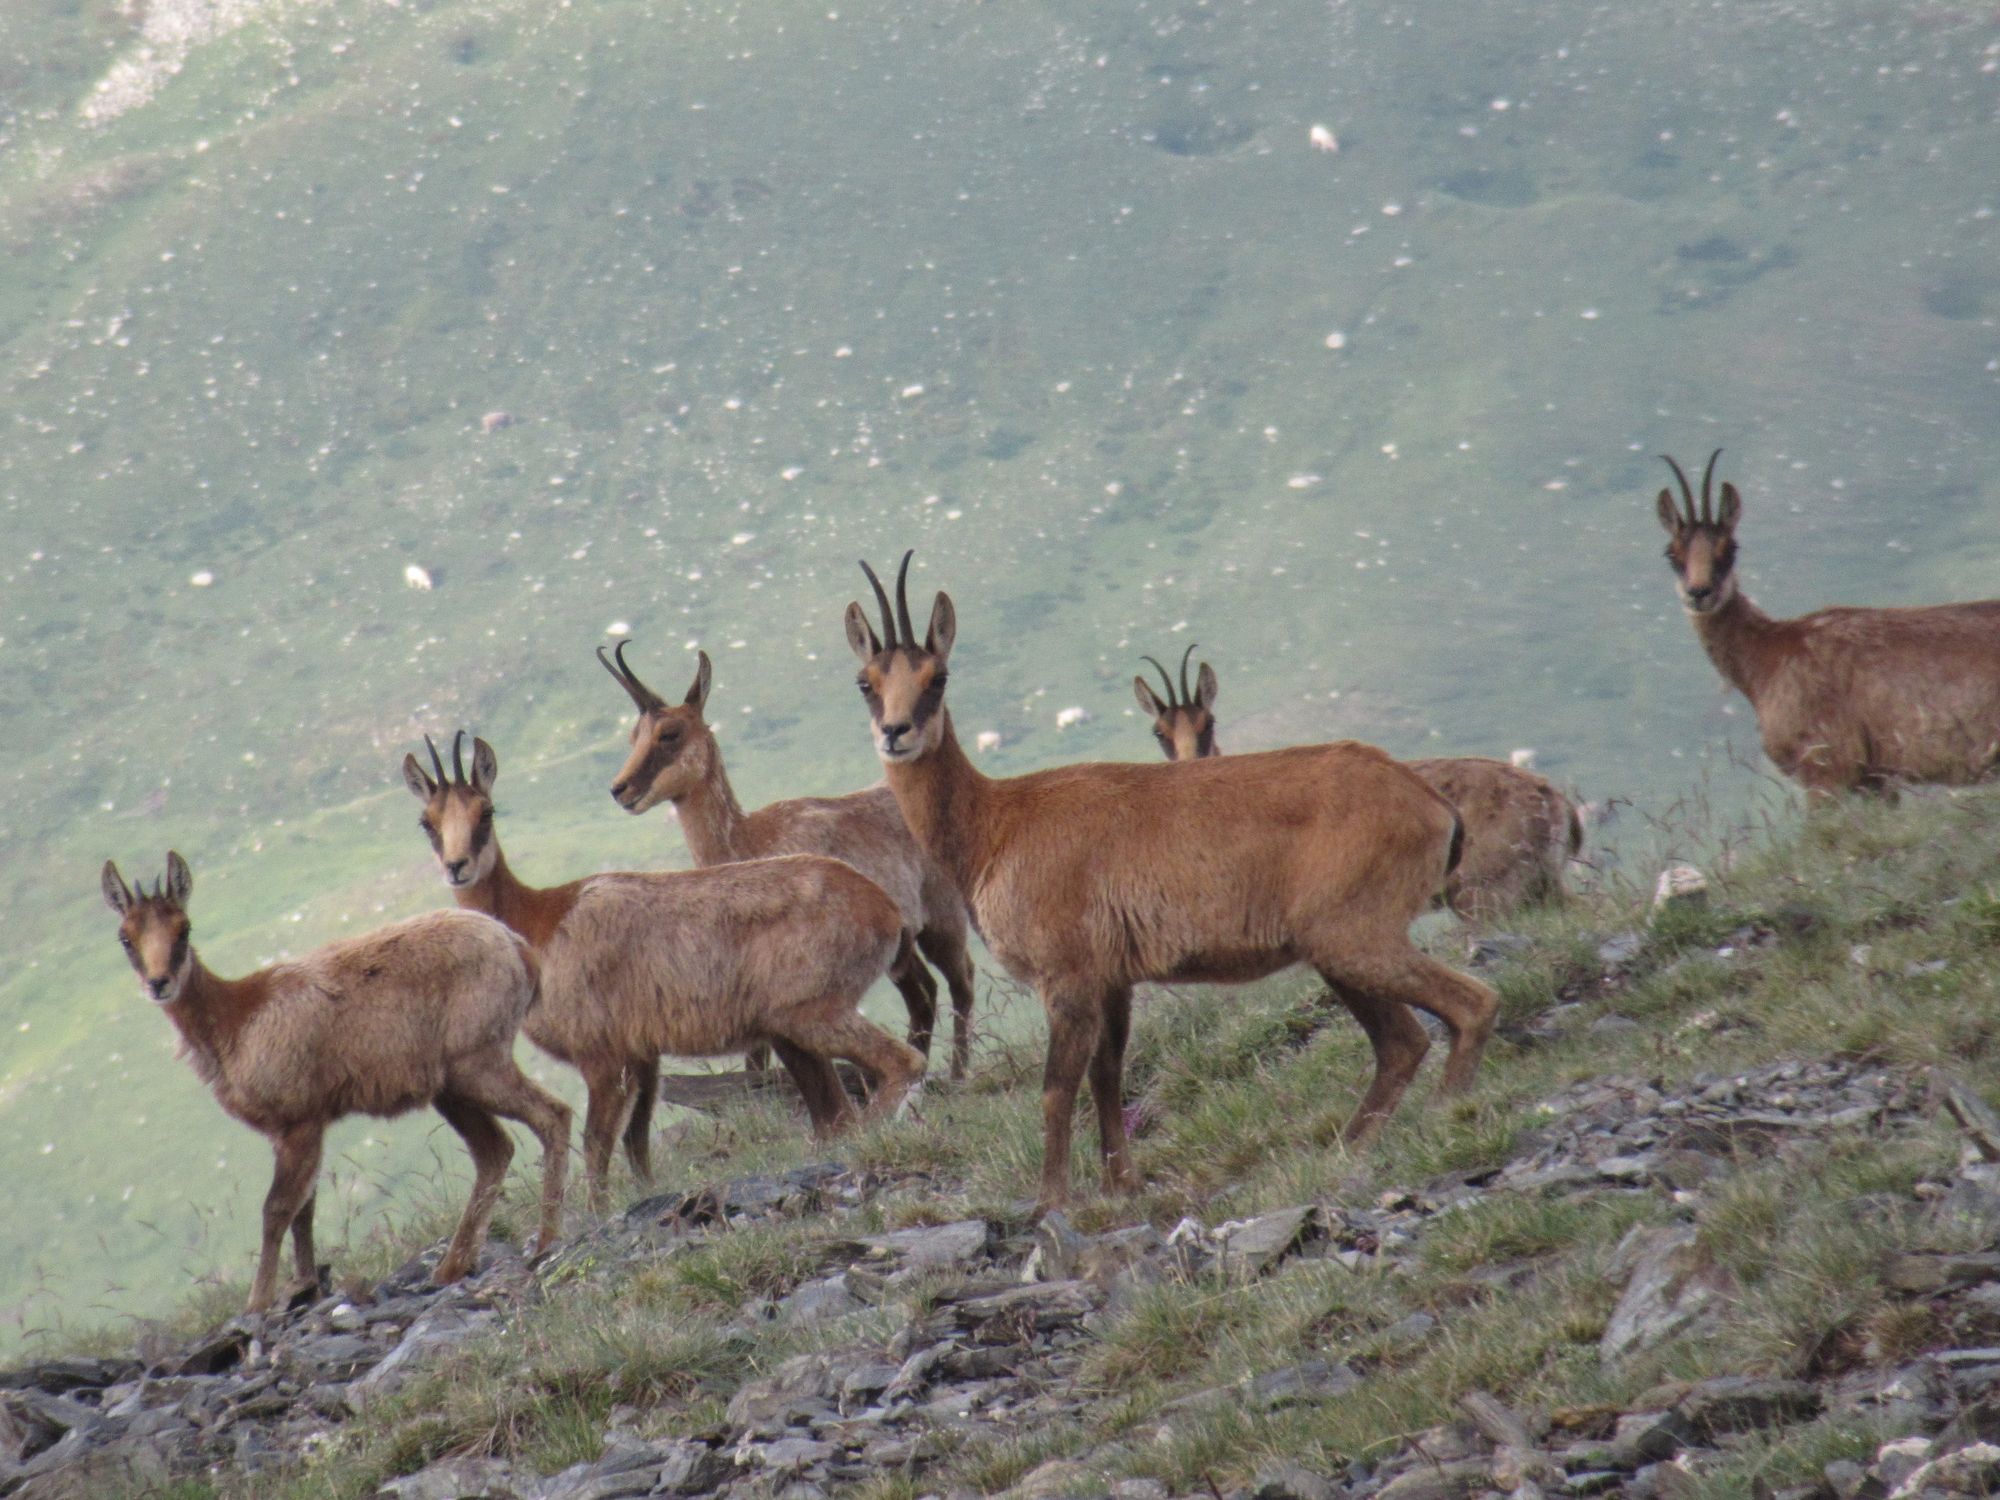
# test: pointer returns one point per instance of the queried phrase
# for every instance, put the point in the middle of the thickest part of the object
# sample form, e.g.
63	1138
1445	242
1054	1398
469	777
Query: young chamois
675	759
697	963
1519	830
1089	879
419	1012
1846	699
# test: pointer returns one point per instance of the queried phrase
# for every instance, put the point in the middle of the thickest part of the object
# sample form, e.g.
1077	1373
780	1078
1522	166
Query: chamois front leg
303	1259
1075	1021
1399	1043
1107	1088
297	1153
919	991
603	1117
826	1101
949	952
491	1151
645	1080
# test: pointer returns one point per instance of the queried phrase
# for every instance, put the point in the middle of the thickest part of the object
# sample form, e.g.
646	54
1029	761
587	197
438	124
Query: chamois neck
943	798
711	817
1740	639
211	1011
533	912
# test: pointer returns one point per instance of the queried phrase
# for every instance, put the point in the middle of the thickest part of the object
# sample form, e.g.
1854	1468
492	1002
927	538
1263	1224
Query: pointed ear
117	894
1204	686
698	694
1669	517
1149	701
485	766
418	780
1732	507
180	880
944	628
861	638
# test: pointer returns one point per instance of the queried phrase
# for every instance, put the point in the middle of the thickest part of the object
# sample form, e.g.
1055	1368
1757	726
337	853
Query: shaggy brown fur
419	1012
1089	879
1846	698
697	963
1519	830
676	760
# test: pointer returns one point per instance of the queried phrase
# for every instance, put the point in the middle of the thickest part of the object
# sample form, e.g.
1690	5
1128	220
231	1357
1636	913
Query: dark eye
125	942
425	824
485	817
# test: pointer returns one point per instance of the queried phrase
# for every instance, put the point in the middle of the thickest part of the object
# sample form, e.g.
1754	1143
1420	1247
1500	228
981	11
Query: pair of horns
1706	515
902	617
1186	699
457	759
644	697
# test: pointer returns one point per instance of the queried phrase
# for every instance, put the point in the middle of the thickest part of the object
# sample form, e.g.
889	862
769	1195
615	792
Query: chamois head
902	682
153	928
1184	725
671	745
1701	544
458	814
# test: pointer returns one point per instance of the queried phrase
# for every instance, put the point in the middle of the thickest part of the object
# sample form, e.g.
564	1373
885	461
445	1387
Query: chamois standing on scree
1088	879
1519	830
419	1012
698	963
1846	699
675	759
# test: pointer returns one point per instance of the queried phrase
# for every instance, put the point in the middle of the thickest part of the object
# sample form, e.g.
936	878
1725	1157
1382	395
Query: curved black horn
437	764
636	690
1186	696
458	758
903	600
1686	490
1165	681
1707	506
882	599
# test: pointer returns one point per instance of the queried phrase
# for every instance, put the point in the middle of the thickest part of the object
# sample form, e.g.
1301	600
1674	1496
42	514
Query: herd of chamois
1084	880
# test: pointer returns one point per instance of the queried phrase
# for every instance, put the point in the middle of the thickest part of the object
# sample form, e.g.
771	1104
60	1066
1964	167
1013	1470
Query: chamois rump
1846	699
420	1012
697	963
675	759
1088	879
1520	832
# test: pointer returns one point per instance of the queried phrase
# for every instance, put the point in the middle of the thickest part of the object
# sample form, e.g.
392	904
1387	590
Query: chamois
675	759
1519	830
698	963
1088	879
420	1012
1846	699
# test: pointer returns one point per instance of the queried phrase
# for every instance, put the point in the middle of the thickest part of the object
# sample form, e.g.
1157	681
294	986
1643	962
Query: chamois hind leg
1107	1088
946	947
303	1259
832	1027
919	991
1404	974
1075	1021
501	1088
607	1086
645	1080
491	1151
297	1153
827	1104
1399	1044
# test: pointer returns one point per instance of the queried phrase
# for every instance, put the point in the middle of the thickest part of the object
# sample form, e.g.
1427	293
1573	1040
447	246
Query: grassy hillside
1043	290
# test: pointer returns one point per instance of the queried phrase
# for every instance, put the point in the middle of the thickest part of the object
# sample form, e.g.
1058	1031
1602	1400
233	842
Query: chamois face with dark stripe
153	928
1701	540
458	813
1183	722
901	682
671	743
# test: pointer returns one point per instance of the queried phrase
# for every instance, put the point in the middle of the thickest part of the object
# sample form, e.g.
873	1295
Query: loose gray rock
460	1479
1673	1287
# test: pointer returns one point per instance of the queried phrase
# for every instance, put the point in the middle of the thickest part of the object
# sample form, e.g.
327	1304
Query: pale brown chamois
694	963
1846	699
1520	832
420	1012
675	759
1088	879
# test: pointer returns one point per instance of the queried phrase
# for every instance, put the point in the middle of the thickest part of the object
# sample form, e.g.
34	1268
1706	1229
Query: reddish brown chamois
1846	699
675	759
1520	832
420	1012
1088	879
695	963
